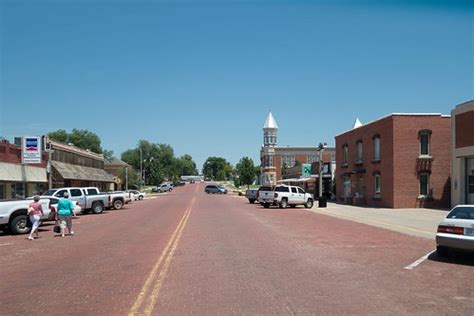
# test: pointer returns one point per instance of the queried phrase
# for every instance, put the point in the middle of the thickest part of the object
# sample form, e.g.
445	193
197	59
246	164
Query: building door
360	187
347	186
470	181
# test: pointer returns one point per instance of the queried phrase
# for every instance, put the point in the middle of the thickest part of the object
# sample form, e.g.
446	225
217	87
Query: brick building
274	159
19	180
76	167
462	132
398	161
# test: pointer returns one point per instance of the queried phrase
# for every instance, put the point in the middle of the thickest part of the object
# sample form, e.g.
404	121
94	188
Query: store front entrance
470	180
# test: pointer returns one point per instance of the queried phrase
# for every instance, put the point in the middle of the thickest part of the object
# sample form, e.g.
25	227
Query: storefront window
2	191
18	191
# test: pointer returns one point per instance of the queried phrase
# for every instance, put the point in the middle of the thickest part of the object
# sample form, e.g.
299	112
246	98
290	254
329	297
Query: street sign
306	170
31	150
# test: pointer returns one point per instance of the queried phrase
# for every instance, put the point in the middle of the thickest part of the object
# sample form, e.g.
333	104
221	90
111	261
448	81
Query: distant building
115	167
76	167
398	161
277	163
462	131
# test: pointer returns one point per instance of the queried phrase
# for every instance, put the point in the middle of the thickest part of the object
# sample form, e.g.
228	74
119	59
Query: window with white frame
425	136
424	184
376	147
288	160
359	151
312	158
345	154
377	184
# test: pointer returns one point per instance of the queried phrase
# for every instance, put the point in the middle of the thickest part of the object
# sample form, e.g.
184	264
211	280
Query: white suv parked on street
285	195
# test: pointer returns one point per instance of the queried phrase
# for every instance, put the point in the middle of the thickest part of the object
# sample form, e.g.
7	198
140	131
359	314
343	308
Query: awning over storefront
75	172
10	172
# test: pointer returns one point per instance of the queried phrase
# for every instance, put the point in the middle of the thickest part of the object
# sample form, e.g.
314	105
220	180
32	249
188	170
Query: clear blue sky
202	75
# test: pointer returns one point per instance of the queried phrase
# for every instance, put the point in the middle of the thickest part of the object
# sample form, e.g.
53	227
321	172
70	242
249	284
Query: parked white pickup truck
91	199
13	214
284	196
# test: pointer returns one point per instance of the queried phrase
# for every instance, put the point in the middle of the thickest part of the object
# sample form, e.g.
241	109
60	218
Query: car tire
251	201
283	203
266	205
140	198
442	251
20	224
118	204
309	203
97	208
292	205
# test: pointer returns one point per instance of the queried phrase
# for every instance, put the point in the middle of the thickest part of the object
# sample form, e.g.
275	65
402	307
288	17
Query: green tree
297	163
85	139
159	162
246	171
60	135
108	155
217	168
81	138
133	178
186	166
284	169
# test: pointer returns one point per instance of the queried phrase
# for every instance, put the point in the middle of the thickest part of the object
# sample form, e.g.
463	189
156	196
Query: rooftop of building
464	107
394	114
270	122
75	150
116	162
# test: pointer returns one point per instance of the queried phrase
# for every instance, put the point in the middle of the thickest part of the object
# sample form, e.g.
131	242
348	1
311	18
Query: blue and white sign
31	150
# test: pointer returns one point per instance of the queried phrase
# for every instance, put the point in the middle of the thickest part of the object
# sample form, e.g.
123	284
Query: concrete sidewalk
416	222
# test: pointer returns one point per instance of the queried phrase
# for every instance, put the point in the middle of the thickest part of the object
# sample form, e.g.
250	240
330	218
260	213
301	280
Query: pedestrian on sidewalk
65	214
35	211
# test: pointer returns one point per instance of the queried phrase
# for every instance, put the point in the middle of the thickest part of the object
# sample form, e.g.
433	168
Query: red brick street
191	253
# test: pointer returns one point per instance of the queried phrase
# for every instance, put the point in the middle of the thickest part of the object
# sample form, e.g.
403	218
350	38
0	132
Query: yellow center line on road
166	257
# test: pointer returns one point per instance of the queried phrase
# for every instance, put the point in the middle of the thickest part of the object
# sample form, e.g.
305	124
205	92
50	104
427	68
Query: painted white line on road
419	261
7	244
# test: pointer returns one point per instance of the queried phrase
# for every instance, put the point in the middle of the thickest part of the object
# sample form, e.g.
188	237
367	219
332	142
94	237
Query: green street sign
306	170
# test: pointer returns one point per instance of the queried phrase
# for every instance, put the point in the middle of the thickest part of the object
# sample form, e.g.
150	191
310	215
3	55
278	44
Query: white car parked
137	194
456	231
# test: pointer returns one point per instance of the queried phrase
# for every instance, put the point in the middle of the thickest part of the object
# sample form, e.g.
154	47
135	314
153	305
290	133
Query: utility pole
320	179
126	178
49	166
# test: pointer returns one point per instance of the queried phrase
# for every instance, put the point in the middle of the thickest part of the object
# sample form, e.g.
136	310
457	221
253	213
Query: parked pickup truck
90	199
284	196
251	195
265	195
13	214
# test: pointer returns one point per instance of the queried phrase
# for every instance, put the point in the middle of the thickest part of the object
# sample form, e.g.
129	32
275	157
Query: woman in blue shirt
65	214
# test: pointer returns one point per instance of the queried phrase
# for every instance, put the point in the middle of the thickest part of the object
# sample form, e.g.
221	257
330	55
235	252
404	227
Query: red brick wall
407	150
10	153
465	129
277	164
383	128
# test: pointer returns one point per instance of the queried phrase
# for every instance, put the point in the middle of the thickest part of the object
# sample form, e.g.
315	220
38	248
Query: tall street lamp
321	147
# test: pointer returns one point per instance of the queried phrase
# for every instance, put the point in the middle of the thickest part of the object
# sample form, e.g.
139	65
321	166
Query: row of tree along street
159	163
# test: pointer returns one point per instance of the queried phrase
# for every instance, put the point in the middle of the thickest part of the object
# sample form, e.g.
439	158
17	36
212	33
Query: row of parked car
455	231
13	213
